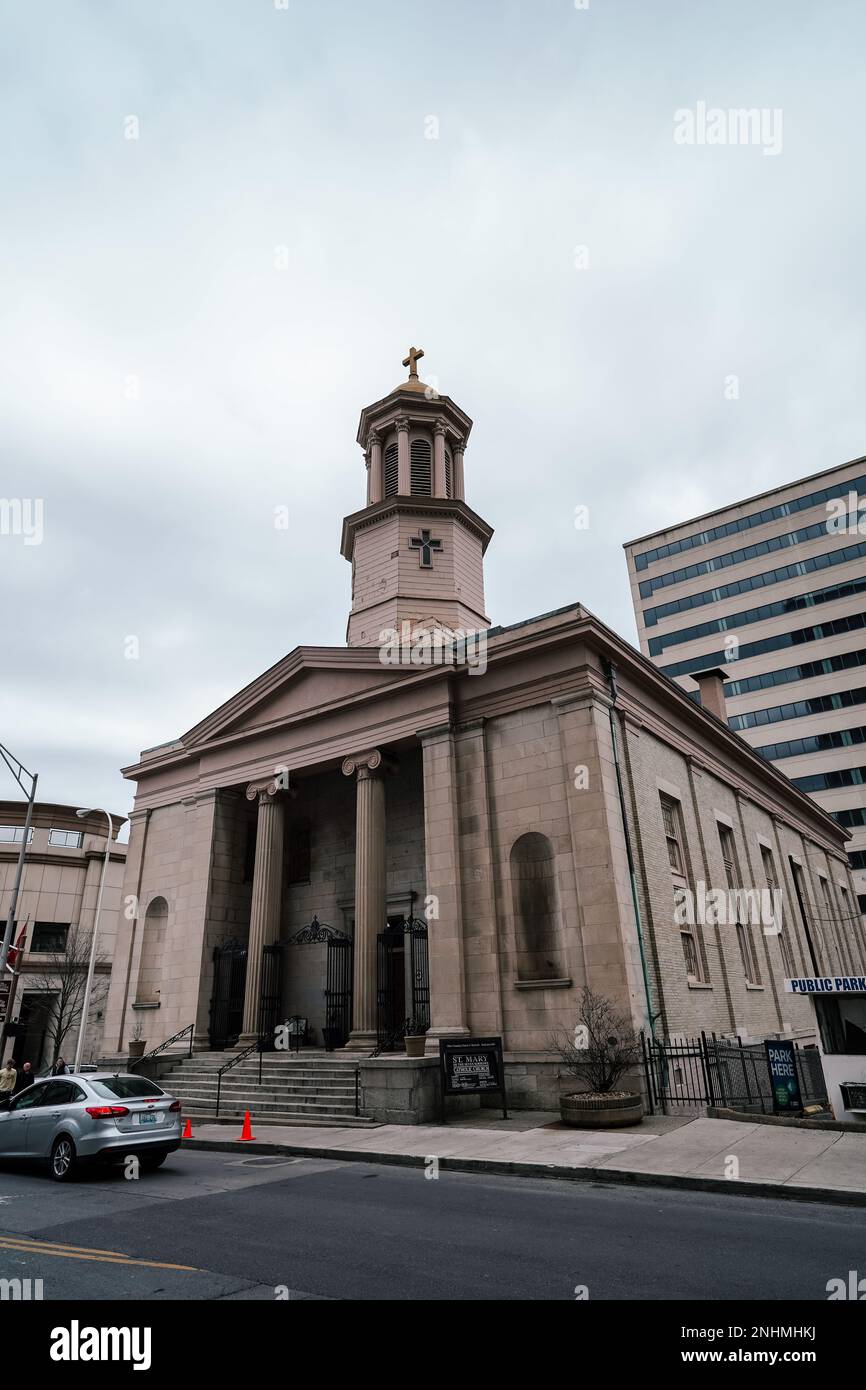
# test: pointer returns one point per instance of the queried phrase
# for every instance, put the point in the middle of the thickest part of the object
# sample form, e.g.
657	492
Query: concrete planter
415	1046
601	1112
137	1048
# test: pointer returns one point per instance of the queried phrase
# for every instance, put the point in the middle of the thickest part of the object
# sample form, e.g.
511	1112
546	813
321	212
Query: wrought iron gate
227	998
338	991
339	969
270	995
402	982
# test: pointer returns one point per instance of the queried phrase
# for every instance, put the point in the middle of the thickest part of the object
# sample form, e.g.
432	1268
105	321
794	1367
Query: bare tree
63	974
604	1046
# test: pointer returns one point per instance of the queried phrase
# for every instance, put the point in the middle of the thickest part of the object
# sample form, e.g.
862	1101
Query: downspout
610	673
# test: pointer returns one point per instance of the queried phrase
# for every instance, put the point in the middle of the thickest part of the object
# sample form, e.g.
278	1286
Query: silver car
102	1117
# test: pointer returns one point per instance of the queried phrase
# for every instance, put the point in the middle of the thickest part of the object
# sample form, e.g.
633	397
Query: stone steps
321	1096
293	1089
263	1105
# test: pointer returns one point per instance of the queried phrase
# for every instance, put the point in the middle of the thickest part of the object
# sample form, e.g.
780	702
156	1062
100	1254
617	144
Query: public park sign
472	1067
785	1083
827	984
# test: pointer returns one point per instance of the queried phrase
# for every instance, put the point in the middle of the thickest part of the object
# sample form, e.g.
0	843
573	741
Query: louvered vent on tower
449	489
391	470
421	462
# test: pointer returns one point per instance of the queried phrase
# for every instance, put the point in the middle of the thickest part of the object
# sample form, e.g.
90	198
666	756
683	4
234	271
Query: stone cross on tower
412	362
425	545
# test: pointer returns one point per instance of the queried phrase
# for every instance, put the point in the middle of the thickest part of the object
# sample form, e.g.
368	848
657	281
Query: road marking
26	1245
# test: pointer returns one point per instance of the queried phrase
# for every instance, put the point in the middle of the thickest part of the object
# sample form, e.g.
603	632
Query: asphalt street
218	1226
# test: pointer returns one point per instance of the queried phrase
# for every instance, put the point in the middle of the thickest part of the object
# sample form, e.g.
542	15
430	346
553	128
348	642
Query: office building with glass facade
773	591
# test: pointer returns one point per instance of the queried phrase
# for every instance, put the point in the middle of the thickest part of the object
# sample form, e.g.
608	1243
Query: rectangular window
784	940
690	938
14	834
670	815
726	839
66	839
830	925
746	943
690	954
49	937
745	937
808	925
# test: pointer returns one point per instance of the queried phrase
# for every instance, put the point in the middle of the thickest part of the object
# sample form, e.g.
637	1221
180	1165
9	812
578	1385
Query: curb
612	1177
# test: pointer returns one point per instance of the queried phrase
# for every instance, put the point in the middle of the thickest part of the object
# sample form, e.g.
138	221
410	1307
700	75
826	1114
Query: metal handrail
239	1057
190	1028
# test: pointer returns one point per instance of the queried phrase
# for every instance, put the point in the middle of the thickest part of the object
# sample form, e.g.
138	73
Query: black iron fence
690	1073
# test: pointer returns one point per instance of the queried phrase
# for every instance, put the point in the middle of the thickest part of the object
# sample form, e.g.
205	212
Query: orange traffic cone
247	1131
187	1130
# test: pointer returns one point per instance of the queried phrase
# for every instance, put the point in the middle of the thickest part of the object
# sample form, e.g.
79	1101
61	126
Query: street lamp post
85	1009
18	770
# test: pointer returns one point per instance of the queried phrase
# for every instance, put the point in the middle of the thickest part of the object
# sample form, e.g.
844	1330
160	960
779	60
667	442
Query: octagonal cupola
416	548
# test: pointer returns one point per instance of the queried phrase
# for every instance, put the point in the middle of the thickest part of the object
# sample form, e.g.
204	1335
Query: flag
14	951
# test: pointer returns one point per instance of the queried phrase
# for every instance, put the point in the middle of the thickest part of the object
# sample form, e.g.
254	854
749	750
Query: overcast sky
192	320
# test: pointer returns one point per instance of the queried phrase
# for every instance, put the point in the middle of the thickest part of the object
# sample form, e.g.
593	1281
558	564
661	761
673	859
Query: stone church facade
461	824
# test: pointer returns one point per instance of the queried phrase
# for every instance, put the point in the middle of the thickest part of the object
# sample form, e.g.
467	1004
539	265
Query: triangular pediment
309	681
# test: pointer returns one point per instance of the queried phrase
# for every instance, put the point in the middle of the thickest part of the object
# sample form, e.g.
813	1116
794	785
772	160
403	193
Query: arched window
391	475
421	461
536	915
449	474
152	949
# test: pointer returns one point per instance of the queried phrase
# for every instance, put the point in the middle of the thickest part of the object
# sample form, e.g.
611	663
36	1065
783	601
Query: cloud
193	320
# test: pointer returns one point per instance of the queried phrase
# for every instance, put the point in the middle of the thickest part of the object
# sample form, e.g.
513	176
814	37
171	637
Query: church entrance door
339	969
227	999
403	982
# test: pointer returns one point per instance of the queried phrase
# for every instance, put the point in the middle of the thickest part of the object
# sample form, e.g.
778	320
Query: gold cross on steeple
412	362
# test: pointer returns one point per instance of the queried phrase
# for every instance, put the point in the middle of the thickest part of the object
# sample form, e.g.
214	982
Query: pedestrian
8	1077
60	1068
24	1078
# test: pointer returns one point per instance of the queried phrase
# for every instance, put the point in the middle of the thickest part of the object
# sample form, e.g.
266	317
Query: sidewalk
701	1154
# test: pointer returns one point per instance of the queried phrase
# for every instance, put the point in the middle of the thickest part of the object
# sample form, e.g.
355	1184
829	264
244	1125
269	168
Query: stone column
439	488
459	449
370	904
404	468
444	878
376	482
266	897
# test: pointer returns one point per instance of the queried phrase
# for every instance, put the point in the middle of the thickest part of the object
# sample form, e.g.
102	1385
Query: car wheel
153	1161
63	1159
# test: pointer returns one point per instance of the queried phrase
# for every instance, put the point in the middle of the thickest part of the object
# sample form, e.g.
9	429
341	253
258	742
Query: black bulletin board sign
784	1080
472	1067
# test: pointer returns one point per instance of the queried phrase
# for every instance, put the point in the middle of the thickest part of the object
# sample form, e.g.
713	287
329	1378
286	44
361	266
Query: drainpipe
610	673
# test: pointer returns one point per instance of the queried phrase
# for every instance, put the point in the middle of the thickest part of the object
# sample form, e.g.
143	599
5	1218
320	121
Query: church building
447	828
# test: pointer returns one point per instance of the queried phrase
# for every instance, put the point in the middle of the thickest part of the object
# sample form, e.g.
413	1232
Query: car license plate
148	1119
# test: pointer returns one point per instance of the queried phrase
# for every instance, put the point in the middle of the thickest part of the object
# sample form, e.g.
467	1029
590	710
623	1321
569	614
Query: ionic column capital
264	792
362	763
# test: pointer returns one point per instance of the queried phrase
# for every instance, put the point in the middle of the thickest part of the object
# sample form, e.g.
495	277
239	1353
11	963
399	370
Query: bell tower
416	549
